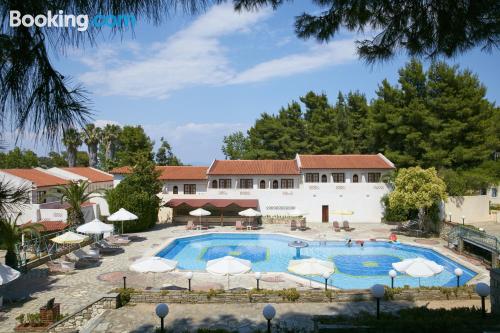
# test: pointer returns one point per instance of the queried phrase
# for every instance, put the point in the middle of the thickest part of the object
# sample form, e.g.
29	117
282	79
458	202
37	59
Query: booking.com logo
61	20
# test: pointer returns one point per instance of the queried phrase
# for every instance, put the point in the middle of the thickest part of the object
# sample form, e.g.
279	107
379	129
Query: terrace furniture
336	226
293	225
201	226
239	225
60	267
105	248
302	225
346	227
82	255
118	240
190	225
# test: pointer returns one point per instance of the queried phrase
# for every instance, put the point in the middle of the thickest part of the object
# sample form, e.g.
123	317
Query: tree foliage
430	29
137	193
10	236
71	140
133	143
234	145
165	156
17	158
75	194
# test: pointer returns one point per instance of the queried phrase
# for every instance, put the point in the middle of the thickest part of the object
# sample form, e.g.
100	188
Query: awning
217	203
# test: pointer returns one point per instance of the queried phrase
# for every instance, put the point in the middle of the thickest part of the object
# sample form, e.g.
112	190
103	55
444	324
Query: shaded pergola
218	207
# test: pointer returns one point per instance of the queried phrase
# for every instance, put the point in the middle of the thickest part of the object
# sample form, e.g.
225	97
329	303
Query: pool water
355	267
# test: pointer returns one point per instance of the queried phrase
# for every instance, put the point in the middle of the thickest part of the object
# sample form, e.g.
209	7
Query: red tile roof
218	203
49	225
39	178
254	167
93	175
172	172
344	162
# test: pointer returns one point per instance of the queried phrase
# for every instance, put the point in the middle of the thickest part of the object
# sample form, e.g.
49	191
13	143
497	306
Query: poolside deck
75	290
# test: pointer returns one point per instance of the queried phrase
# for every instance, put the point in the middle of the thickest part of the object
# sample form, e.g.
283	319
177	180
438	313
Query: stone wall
446	227
79	318
310	296
495	290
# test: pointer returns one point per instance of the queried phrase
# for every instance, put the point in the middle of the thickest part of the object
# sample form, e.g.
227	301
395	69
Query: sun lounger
346	227
239	225
190	225
60	267
118	240
302	225
81	254
293	225
336	226
106	248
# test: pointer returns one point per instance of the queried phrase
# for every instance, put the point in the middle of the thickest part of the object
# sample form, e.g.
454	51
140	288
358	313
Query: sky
194	79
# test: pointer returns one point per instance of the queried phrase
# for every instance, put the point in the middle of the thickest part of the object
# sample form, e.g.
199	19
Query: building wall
168	187
235	180
493	194
475	208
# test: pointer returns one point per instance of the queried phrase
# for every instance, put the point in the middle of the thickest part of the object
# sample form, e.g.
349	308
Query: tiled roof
254	167
49	225
39	178
93	175
218	203
172	172
344	162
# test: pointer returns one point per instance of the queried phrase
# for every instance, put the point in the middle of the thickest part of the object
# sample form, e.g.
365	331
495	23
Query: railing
479	238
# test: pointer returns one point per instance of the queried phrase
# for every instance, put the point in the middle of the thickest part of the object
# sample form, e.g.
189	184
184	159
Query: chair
105	248
293	225
302	225
118	240
336	226
239	225
56	267
190	225
82	255
346	227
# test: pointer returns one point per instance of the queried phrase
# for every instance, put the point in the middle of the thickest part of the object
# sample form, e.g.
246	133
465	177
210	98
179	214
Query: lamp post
326	276
162	311
449	216
258	276
269	312
463	219
378	292
392	274
189	276
483	290
458	272
124	282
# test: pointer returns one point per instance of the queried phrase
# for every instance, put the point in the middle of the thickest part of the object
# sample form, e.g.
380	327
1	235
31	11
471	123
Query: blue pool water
356	267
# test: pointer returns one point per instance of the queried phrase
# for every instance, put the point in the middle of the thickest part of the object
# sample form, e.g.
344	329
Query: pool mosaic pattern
356	267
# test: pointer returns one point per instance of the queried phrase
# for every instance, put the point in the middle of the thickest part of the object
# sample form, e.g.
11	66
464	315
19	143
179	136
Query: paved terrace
85	285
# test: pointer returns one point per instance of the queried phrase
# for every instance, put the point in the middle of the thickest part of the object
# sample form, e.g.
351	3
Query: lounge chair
302	225
336	226
105	248
293	225
190	225
60	267
82	255
346	227
118	240
239	225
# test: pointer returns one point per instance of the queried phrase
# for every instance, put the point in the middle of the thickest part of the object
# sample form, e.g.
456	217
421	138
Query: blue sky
195	79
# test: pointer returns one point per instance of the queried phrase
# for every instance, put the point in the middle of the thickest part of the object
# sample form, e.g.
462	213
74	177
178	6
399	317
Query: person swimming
349	242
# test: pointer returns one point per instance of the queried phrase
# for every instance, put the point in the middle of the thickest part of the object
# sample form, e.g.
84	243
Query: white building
318	185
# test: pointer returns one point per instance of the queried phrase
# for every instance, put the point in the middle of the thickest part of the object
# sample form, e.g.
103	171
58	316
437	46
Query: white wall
475	208
256	180
168	187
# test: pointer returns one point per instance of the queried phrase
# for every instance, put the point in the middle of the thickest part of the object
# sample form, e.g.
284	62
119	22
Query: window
275	184
262	184
189	188
494	192
40	197
175	190
355	179
224	183
324	179
287	183
338	177
214	184
246	183
312	177
373	177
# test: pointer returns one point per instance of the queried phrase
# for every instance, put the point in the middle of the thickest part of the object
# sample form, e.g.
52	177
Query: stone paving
31	291
242	318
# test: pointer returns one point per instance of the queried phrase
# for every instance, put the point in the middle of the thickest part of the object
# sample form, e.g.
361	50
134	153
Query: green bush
394	214
125	294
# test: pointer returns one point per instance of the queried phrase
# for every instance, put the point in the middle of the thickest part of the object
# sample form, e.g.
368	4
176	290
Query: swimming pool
355	267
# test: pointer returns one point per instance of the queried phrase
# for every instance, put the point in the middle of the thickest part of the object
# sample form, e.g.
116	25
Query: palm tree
91	136
11	234
110	136
12	197
75	194
72	140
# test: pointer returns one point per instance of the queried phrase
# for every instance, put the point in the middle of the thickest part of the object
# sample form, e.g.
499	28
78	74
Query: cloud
197	56
103	122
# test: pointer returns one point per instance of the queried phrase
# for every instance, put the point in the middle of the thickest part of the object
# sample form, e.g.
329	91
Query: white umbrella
199	212
95	227
8	274
153	265
250	213
69	237
311	266
228	265
418	267
122	215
